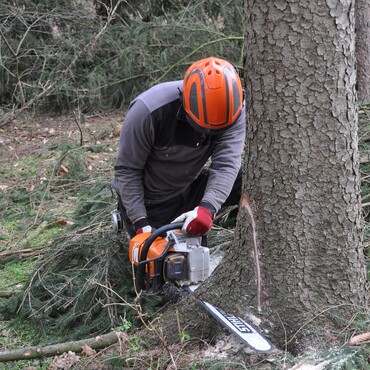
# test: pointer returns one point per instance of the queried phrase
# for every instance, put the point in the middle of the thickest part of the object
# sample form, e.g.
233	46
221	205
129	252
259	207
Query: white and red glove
196	222
142	226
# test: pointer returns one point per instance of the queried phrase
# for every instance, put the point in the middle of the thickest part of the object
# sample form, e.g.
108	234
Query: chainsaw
169	255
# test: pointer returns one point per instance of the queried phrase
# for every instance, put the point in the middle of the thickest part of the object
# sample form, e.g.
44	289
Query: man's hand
142	226
145	229
196	222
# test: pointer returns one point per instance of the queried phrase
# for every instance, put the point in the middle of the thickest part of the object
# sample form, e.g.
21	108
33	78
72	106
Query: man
169	134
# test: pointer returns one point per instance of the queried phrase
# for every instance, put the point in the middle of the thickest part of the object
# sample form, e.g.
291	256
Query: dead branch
359	339
78	120
98	342
22	253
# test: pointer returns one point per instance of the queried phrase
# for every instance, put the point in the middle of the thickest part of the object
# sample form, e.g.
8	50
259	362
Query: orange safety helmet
212	95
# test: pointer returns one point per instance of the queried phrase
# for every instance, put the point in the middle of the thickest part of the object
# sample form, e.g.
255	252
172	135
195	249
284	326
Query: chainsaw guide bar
246	332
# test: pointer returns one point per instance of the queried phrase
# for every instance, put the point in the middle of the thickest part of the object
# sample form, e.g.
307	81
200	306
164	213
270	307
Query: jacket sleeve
136	141
225	164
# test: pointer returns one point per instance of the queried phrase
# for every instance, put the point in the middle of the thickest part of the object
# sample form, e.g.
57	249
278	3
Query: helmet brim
205	130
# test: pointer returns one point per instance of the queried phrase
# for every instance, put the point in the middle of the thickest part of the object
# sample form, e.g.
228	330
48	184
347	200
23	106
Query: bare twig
187	56
23	253
178	324
78	120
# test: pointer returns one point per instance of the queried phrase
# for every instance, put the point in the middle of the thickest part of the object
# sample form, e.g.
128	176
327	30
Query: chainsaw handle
154	236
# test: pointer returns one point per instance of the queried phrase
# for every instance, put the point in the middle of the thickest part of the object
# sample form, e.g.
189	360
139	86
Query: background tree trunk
298	252
362	10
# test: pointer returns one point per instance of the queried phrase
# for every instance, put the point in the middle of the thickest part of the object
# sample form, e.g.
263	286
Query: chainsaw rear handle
140	271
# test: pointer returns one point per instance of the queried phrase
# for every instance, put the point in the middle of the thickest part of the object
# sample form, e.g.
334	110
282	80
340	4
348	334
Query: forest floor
46	163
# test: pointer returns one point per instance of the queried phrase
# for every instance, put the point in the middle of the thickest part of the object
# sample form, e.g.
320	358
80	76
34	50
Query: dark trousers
159	214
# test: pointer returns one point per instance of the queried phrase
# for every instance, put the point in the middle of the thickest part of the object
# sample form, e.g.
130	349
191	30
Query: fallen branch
98	342
23	253
359	339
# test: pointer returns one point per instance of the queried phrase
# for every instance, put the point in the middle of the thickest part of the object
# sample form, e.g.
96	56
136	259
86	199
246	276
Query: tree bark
362	10
298	253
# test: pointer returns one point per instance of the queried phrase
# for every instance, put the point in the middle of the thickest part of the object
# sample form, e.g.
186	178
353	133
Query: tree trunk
298	254
362	10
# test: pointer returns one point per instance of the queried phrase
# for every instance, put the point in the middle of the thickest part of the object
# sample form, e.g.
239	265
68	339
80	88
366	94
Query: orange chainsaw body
155	250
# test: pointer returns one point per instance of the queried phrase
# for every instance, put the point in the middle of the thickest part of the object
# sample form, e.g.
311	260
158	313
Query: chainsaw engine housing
187	262
176	257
